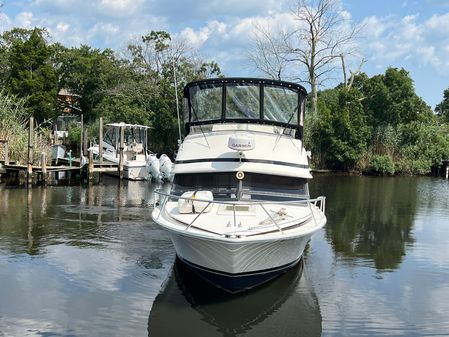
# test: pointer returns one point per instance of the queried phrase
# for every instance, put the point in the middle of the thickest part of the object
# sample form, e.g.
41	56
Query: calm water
90	262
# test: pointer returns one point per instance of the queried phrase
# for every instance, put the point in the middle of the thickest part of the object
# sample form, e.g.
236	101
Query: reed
14	128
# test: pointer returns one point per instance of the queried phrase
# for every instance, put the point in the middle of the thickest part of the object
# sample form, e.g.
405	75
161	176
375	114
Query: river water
78	261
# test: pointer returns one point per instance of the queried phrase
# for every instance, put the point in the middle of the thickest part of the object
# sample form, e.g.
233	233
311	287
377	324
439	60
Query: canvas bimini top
245	100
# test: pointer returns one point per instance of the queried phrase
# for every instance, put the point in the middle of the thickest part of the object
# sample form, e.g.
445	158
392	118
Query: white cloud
62	27
4	21
119	8
24	19
391	40
195	38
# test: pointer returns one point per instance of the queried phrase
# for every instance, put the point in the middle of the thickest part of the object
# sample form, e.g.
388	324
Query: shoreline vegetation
377	125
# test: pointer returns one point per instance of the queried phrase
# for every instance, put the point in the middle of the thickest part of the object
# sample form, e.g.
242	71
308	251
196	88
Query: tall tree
442	109
390	99
89	73
268	53
31	74
321	38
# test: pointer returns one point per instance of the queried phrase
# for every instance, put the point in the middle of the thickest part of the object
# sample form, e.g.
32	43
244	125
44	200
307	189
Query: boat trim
238	160
246	273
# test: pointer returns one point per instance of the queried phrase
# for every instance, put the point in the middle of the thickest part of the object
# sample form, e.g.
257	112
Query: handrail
319	203
249	201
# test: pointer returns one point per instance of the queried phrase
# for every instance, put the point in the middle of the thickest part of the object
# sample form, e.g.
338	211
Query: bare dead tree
321	37
268	53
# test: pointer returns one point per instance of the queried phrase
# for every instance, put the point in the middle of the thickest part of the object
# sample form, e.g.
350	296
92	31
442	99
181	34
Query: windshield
280	104
206	102
225	186
245	101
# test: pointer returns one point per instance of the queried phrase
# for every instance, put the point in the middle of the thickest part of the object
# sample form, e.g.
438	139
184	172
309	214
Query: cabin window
206	102
242	101
224	185
281	104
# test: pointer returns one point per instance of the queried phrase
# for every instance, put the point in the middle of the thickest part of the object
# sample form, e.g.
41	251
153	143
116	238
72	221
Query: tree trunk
314	94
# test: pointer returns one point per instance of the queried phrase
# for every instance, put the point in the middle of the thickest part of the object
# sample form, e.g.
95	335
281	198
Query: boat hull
132	170
238	266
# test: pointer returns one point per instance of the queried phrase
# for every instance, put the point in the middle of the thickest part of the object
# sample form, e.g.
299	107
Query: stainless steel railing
318	203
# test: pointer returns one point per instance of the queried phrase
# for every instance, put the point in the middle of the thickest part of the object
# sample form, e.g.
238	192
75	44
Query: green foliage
378	125
14	128
339	133
382	164
442	109
423	145
390	99
89	73
30	72
74	137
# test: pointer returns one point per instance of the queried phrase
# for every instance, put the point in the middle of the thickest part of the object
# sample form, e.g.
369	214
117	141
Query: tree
31	74
390	99
268	52
320	39
442	109
89	73
153	60
339	132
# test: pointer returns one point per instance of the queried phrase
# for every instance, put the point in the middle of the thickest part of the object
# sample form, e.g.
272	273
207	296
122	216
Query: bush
382	164
14	129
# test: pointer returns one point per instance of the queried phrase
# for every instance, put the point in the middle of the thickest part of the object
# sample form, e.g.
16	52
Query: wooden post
81	136
100	140
85	141
122	146
90	167
30	151
44	167
447	170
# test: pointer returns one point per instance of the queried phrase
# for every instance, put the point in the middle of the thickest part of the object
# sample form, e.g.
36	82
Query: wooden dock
72	166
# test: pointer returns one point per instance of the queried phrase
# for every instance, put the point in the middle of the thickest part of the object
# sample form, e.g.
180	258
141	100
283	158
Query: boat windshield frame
293	118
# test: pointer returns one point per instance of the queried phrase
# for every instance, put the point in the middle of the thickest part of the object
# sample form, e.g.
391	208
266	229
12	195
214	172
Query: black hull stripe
243	160
250	273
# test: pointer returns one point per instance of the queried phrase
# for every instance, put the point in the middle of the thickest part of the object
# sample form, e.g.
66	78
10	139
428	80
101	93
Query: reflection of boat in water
139	161
239	212
187	303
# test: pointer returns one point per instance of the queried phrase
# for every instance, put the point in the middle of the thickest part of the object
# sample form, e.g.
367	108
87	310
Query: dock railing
318	204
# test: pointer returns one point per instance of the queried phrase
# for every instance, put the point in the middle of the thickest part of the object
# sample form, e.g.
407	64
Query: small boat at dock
139	162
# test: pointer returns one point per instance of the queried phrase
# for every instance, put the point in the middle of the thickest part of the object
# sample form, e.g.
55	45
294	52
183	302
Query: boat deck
235	221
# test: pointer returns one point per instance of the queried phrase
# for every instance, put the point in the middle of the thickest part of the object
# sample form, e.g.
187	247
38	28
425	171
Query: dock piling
30	151
122	147
44	167
90	168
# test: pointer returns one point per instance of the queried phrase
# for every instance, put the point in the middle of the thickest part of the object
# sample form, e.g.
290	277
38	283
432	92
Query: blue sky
398	33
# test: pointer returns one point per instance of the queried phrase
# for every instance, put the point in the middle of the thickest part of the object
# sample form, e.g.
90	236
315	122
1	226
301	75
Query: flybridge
245	100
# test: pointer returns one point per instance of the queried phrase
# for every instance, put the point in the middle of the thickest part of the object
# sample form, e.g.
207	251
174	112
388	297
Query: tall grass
14	128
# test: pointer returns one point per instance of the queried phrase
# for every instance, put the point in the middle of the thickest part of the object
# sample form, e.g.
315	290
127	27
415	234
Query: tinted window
225	185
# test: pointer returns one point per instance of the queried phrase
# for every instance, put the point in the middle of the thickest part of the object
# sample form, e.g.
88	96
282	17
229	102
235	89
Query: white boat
239	212
136	155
